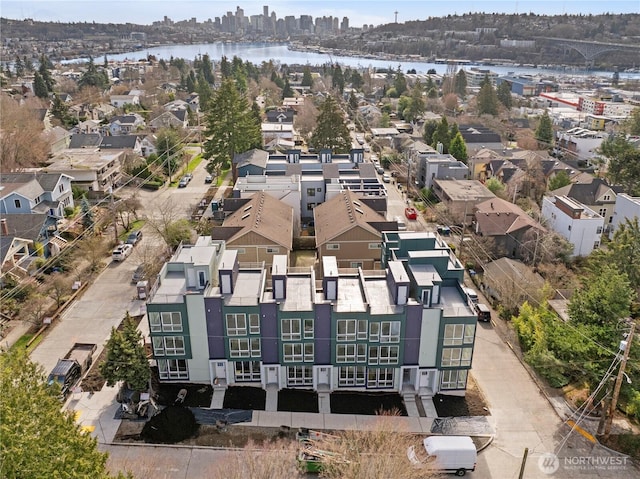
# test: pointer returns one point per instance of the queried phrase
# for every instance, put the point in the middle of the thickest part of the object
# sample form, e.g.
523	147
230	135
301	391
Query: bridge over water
588	49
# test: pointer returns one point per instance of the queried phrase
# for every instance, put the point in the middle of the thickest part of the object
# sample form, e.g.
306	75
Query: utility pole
113	212
616	390
464	224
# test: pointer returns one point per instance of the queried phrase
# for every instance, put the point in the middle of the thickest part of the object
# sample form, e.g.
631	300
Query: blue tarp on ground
230	416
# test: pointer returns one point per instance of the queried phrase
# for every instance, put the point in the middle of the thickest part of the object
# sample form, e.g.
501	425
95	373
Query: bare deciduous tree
127	211
306	118
378	453
21	142
58	287
35	310
93	249
264	462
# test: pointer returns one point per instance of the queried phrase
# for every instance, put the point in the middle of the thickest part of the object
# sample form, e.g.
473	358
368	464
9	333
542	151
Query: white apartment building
626	207
580	225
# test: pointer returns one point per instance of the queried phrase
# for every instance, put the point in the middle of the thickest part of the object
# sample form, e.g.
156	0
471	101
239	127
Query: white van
472	295
455	454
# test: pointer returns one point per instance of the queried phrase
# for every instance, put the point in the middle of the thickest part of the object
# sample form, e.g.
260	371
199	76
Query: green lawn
22	342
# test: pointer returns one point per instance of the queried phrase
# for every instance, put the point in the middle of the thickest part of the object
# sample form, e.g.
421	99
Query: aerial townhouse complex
407	327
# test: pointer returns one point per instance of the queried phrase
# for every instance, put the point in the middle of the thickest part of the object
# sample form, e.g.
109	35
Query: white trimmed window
380	377
247	371
308	329
168	345
299	376
374	332
346	353
469	333
254	343
273	250
292	352
166	321
375	245
333	246
236	324
173	369
383	354
454	379
351	329
390	332
453	334
254	324
239	348
351	376
290	329
456	357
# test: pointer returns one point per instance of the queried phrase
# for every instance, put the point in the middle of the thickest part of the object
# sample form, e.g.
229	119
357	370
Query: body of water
260	52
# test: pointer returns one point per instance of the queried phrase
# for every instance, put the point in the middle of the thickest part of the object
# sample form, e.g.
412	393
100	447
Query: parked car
121	252
452	454
380	170
386	178
134	237
208	179
184	181
188	176
138	274
444	230
411	213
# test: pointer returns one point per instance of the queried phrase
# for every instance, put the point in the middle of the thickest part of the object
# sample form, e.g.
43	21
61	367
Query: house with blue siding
407	327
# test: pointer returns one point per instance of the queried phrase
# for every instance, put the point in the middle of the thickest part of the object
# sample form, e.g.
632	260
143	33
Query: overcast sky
360	12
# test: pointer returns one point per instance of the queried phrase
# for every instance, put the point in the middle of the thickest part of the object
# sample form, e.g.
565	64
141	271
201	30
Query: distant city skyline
359	12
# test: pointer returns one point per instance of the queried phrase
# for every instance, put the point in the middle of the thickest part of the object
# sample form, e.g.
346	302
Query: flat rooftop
453	302
350	297
300	293
380	300
247	290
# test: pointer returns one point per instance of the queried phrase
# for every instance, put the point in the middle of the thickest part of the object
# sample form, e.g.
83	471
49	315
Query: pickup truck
72	367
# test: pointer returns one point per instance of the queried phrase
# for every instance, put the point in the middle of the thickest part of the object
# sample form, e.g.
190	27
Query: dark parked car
134	237
184	181
138	274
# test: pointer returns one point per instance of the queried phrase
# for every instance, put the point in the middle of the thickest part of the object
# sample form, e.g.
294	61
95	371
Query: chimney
4	229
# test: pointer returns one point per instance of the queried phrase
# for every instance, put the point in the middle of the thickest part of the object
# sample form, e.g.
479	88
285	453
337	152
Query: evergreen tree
287	92
504	94
231	126
356	80
39	440
206	68
353	101
28	64
560	179
93	77
400	82
88	220
191	82
60	110
126	358
19	67
225	67
461	84
43	69
416	106
307	79
428	130
544	131
204	90
441	135
168	148
39	86
105	63
487	99
458	148
337	79
331	132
